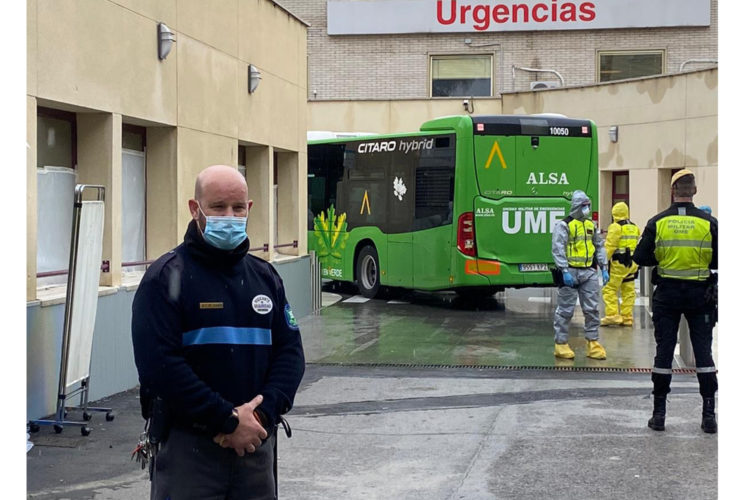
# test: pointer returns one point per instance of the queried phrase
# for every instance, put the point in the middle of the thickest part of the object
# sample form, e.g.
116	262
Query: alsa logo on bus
531	221
547	178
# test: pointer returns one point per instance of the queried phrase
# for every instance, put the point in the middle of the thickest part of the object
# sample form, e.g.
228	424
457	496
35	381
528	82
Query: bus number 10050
559	131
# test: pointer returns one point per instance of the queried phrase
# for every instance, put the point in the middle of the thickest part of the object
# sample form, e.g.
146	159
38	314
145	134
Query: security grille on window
629	64
461	76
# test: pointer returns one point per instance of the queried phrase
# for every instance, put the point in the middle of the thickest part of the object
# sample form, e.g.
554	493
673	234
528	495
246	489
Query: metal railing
316	292
105	268
265	247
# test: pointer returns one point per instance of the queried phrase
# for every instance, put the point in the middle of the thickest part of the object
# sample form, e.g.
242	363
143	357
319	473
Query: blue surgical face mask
586	210
224	232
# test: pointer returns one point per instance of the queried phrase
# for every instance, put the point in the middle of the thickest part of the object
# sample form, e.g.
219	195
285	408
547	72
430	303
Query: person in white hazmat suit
578	249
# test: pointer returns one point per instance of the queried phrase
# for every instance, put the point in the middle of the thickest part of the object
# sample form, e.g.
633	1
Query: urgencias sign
361	17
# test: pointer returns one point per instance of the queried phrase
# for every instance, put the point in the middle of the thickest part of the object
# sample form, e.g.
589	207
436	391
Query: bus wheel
368	272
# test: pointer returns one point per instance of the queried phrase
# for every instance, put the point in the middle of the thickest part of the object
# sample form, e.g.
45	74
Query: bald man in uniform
218	352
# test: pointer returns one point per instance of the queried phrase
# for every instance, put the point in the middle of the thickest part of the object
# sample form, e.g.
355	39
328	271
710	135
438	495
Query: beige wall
383	117
98	58
664	123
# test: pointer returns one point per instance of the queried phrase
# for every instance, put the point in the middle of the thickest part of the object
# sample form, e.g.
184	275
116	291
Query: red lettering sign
451	12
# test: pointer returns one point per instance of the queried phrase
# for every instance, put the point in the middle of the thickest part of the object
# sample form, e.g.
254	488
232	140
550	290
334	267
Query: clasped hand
249	433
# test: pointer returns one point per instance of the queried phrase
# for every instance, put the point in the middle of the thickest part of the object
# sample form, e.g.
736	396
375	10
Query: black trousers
672	300
190	466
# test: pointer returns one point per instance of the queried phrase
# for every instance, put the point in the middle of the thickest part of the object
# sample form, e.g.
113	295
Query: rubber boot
611	320
656	422
708	424
564	351
627	321
595	350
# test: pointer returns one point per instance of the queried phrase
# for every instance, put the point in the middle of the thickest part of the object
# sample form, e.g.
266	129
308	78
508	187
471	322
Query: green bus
467	203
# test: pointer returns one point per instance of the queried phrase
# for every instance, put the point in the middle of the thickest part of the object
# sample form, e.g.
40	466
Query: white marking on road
357	299
364	346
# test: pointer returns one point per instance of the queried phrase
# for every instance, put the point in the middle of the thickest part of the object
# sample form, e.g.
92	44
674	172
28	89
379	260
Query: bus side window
435	178
325	169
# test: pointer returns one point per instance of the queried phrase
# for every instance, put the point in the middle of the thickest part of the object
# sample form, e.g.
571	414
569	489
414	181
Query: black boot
708	424
656	422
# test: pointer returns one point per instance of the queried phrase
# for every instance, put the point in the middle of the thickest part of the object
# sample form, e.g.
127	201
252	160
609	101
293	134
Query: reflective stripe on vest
580	249
683	247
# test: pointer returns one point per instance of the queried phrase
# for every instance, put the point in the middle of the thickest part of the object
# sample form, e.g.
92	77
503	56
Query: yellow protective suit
622	235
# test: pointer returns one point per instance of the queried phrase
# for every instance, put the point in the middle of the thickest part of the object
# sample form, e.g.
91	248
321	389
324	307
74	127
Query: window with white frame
461	75
619	65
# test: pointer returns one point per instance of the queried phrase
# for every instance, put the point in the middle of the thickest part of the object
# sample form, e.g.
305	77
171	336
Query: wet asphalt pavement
431	396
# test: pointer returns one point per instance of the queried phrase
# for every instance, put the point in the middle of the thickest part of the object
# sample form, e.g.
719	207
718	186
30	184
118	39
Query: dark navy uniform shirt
211	330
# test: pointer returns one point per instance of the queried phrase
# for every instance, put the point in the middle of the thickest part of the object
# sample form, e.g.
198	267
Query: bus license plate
533	267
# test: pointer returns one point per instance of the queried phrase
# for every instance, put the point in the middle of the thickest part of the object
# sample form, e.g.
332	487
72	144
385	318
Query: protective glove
605	276
568	279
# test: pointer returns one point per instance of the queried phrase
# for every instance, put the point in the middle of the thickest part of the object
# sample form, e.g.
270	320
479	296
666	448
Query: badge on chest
262	304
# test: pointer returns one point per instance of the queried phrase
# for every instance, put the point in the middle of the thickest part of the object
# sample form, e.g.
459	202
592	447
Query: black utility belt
678	283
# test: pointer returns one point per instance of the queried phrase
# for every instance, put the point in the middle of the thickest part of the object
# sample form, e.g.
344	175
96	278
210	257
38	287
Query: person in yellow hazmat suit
622	238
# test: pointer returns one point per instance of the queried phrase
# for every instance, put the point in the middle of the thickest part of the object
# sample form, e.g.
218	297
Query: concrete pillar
163	230
31	198
291	201
605	199
100	162
302	202
644	195
259	175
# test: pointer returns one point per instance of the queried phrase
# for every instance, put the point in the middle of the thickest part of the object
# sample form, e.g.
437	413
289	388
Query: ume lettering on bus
532	222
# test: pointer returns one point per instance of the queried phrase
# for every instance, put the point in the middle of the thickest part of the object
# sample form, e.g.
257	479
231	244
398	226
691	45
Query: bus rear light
465	235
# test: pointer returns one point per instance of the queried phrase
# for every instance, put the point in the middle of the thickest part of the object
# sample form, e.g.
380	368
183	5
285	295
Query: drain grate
609	369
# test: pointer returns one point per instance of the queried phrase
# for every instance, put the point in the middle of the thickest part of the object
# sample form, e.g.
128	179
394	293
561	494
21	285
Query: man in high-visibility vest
622	237
682	242
578	250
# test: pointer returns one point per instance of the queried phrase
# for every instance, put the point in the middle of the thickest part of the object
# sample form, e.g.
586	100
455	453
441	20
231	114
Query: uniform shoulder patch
291	321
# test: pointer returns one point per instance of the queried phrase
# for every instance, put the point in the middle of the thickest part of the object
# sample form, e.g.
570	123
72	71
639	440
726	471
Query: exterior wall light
164	40
613	130
253	78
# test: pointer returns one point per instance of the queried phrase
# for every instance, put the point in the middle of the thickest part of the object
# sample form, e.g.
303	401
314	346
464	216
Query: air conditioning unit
544	85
